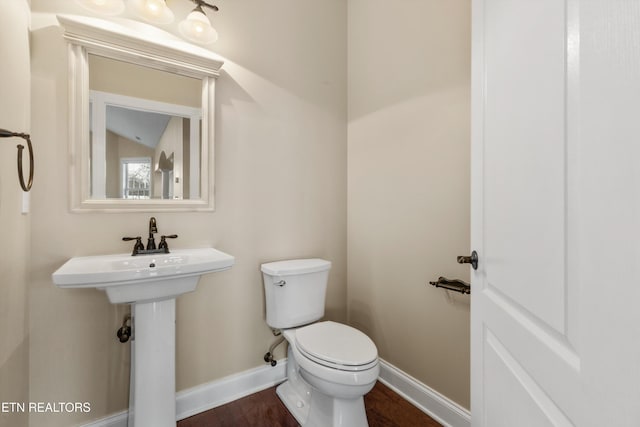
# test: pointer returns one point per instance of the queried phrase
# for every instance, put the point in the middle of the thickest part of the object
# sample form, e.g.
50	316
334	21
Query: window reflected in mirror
136	178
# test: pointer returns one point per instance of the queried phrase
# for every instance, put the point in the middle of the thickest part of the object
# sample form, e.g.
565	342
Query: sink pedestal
150	284
153	357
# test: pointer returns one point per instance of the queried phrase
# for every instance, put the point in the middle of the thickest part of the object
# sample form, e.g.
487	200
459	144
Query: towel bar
6	134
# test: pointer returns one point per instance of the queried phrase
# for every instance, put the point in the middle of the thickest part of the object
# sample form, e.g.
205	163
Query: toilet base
322	410
311	408
298	405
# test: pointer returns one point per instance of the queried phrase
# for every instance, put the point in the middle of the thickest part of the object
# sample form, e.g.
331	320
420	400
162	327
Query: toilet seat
336	346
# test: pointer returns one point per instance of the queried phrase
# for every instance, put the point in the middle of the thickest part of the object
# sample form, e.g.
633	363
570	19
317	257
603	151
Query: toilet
330	366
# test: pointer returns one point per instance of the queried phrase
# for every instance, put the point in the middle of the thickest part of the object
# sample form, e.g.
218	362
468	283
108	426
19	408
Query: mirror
141	119
133	124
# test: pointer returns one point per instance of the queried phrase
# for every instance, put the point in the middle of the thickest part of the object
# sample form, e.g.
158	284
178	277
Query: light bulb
105	7
155	11
197	28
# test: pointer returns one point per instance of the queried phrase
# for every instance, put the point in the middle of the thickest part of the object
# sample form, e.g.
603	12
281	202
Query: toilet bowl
330	366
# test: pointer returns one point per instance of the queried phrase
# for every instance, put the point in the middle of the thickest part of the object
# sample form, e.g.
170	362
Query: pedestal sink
150	283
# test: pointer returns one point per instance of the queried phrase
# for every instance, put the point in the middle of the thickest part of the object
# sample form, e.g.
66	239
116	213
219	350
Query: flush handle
473	260
281	283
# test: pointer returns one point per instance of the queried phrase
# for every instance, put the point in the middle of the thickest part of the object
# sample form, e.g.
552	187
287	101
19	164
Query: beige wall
408	191
106	75
14	250
280	193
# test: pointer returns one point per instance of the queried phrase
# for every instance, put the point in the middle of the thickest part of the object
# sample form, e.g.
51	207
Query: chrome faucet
163	247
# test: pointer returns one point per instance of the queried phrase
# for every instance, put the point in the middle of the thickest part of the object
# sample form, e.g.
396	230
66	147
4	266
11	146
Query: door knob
473	260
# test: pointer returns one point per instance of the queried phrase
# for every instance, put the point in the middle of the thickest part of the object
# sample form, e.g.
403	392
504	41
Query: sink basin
143	278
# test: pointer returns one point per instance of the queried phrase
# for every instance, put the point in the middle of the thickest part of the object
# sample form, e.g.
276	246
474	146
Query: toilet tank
295	291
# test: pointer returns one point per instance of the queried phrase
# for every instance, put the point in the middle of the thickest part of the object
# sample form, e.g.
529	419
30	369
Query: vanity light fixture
196	27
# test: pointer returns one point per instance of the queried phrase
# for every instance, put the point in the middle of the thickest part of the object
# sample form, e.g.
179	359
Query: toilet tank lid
295	266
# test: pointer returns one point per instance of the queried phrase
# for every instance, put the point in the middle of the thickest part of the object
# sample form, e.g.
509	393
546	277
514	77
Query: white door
556	213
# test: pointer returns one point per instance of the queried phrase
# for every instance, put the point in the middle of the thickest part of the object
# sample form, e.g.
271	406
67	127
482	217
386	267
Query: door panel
524	128
555	213
511	379
522	182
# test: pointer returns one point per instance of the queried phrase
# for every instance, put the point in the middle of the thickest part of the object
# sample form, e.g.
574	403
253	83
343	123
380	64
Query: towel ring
6	134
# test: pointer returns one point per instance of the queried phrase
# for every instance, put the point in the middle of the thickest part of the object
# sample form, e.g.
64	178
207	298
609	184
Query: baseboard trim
119	419
440	408
213	394
216	393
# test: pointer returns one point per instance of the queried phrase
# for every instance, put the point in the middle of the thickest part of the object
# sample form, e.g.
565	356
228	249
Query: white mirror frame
118	40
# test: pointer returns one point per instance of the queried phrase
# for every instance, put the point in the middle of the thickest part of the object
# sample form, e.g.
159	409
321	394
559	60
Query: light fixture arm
201	3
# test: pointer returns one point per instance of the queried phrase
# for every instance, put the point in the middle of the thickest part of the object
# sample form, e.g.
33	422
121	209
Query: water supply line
124	333
268	357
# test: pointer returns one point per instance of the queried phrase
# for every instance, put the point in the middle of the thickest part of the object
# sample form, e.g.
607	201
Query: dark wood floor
385	408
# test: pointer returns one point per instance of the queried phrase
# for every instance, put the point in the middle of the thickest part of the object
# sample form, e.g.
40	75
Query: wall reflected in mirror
145	132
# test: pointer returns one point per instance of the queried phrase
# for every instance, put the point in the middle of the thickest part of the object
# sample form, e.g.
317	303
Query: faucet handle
138	246
163	242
